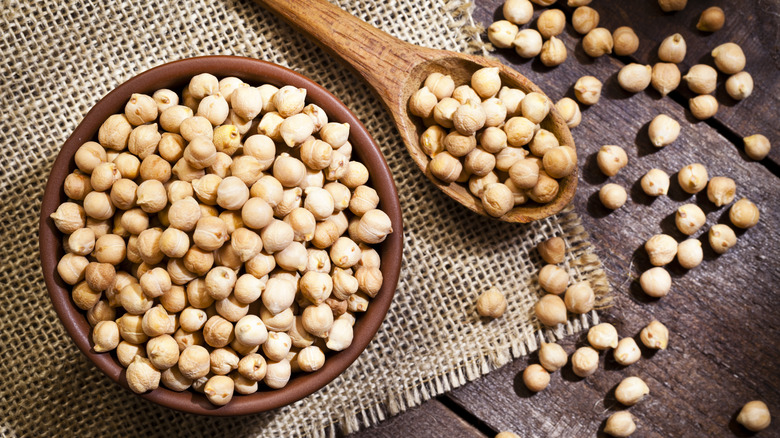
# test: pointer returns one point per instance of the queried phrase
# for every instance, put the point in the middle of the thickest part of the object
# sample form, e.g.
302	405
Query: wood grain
432	419
725	329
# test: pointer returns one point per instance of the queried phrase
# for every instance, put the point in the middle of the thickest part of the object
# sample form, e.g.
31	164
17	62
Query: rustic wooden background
723	318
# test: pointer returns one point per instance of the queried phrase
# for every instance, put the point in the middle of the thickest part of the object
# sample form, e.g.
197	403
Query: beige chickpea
701	79
248	288
163	352
217	332
693	178
535	107
247	102
597	42
114	132
703	107
757	146
220	282
663	130
440	84
579	298
553	52
545	189
105	336
511	98
210	233
124	194
291	199
184	214
311	359
276	236
625	40
621	424
292	258
126	352
289	100
144	141
603	336
71	268
519	131
357	302
142	376
155	283
553	279
459	145
740	85
151	196
164	99
198	295
282	321
552	357
339	165
356	175
552	250
279	294
491	303
469	118
501	33
154	167
587	90
317	319
277	374
250	330
104	176
611	159
729	58
665	77
174	380
550	310
655	335
627	352
465	93
661	249
689	253
672	5
754	416
110	248
341	334
672	49
584	19
432	140
743	214
479	163
135	221
560	161
444	111
316	286
722	238
445	167
277	346
196	126
98	205
194	362
252	367
542	142
711	19
655	182
223	361
192	319
570	111
148	246
585	361
174	300
422	102
81	242
486	82
477	184
77	185
550	23
613	196
656	282
171	118
497	199
203	85
635	77
536	378
184	172
689	219
631	390
89	155
518	11
528	43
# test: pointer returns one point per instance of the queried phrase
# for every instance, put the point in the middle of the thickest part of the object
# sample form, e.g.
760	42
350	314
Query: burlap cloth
59	57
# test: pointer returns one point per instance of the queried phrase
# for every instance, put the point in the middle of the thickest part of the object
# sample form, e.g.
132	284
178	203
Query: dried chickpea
550	310
693	178
635	77
613	196
625	40
701	79
542	142
611	159
98	205
545	189
501	33
689	253
553	52
535	107
579	298
570	111
584	19
621	424
656	282
740	85
655	335
655	182
729	58
672	49
744	214
486	82
603	336
105	336
536	378
703	107
440	85
757	146
491	303
142	376
114	132
553	279
89	155
754	416
552	357
627	352
661	249
585	361
587	90
110	248
518	11
631	390
711	19
689	219
497	199
445	167
597	42
663	130
665	77
550	23
511	98
527	43
672	5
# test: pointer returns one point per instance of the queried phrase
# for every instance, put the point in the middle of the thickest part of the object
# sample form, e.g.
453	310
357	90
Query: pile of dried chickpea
487	136
662	249
223	241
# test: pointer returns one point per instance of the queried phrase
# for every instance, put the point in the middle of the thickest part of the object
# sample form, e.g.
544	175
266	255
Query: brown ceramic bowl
175	75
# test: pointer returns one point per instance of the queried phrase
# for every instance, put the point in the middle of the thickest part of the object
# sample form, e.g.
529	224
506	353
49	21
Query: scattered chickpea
729	58
585	361
625	40
689	219
611	159
655	335
672	49
603	336
597	42
491	303
553	279
580	298
754	416
757	146
621	424
553	52
613	196
663	130
536	378
656	282
552	356
528	43
703	107
627	352
635	77
587	90
693	178
550	23
689	253
721	190
552	250
501	33
518	11
550	310
665	77
631	390
661	249
584	19
740	85
711	19
744	214
507	434
672	5
655	182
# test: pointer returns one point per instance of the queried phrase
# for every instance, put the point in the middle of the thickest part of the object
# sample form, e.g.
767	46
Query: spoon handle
382	60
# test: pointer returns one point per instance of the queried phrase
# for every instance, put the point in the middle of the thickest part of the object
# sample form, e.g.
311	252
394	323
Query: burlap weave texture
59	57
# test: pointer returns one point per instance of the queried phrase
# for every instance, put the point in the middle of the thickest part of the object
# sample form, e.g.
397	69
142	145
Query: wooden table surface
724	346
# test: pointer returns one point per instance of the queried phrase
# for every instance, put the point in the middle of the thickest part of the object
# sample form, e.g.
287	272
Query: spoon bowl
395	69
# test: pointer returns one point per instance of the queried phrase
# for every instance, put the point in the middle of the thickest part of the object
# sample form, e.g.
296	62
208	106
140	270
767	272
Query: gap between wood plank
467	416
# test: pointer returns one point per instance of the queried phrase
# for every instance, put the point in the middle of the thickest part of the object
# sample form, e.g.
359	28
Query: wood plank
722	315
431	419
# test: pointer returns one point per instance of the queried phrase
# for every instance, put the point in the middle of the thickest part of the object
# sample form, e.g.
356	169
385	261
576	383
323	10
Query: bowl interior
176	75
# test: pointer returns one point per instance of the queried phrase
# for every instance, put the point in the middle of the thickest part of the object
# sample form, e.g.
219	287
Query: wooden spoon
396	69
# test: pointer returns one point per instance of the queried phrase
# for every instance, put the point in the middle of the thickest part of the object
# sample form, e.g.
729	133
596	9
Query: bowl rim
254	71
